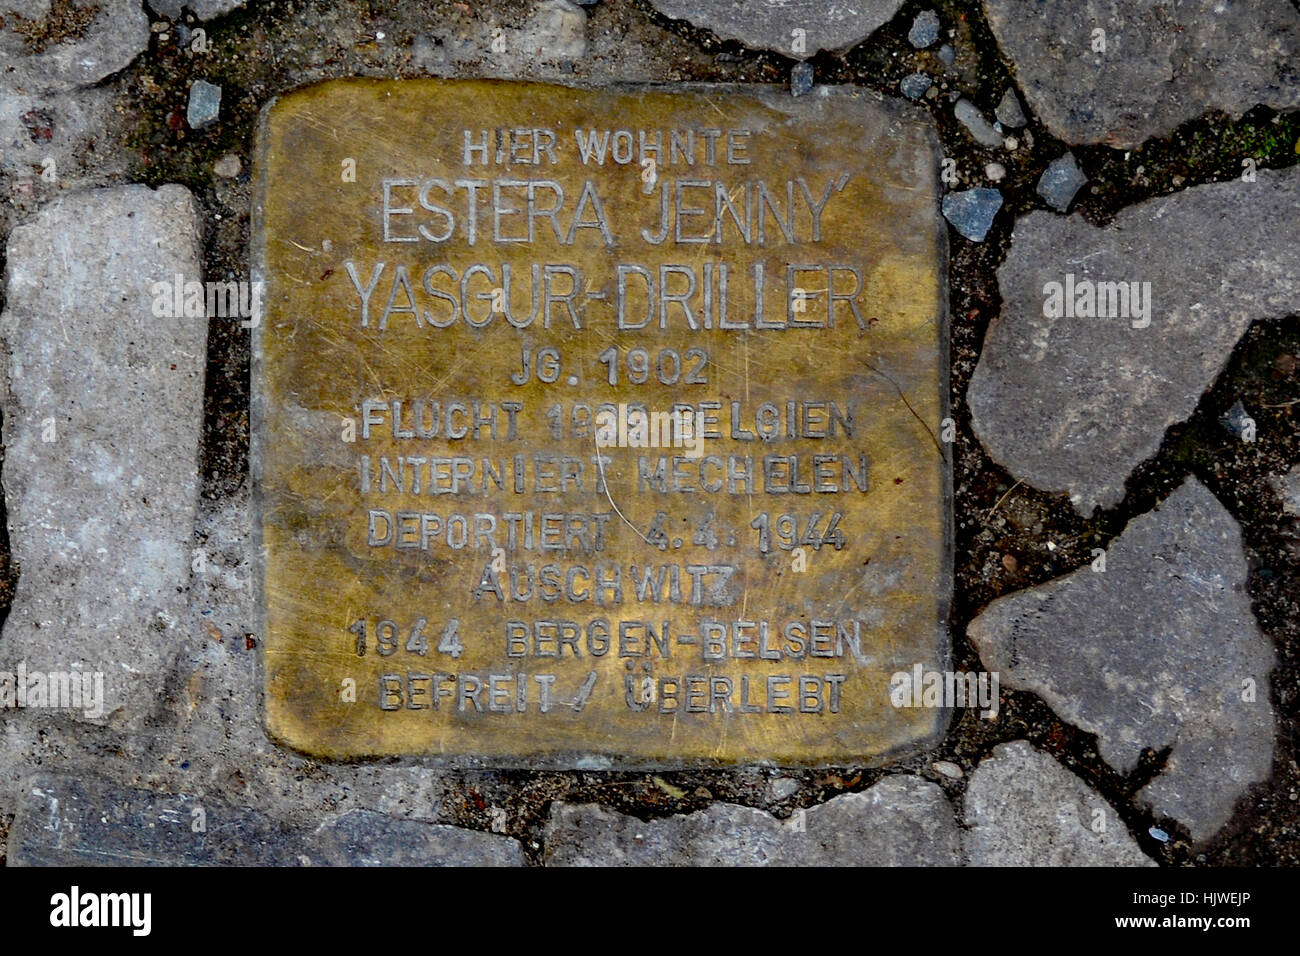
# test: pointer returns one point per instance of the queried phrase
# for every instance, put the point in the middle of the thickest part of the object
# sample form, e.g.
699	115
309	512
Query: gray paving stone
1164	63
103	411
550	39
36	128
899	821
1074	404
723	835
1160	650
556	31
102	36
834	25
367	838
81	821
1025	809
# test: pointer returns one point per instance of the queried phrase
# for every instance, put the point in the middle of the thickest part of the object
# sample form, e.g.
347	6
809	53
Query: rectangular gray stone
367	838
103	412
69	821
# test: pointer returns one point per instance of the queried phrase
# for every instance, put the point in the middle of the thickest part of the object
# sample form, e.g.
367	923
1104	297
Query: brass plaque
599	427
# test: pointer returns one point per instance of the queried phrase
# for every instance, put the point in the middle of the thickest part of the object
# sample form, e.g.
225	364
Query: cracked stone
1074	404
770	26
1160	650
103	414
1163	64
900	820
95	39
1025	809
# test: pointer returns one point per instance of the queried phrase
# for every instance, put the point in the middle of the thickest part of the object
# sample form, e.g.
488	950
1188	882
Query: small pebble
995	171
1060	181
947	54
971	212
1159	834
1009	111
969	116
1011	143
1236	419
914	86
783	787
205	104
925	29
801	79
227	166
947	768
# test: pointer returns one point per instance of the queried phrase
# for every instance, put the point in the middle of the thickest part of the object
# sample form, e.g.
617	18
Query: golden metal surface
435	530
